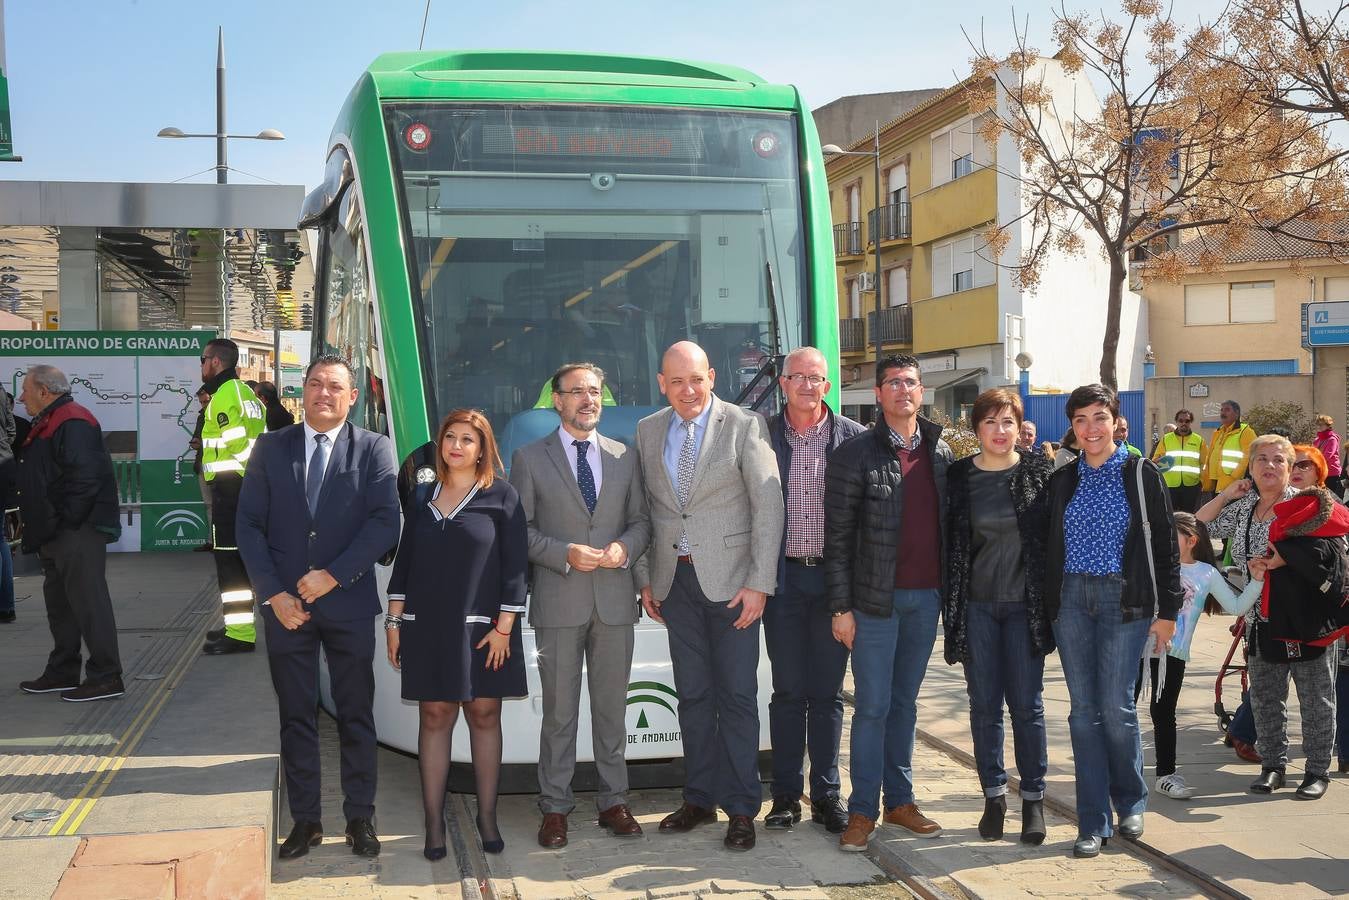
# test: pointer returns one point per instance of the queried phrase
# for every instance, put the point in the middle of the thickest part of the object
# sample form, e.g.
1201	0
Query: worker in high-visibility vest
234	419
1181	455
1229	453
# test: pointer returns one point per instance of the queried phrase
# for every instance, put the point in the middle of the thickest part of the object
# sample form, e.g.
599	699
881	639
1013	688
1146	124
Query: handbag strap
1147	531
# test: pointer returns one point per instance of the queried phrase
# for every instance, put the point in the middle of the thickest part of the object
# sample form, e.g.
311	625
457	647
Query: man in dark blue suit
319	506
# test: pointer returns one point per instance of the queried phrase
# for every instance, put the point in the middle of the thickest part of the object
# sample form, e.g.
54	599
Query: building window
897	286
957	151
1238	303
854	290
1336	289
961	264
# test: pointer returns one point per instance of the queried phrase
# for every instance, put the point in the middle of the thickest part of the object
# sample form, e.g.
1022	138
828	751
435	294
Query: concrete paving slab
32	867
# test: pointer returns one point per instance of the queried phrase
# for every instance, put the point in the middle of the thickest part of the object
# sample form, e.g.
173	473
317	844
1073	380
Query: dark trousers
1004	668
1342	711
293	656
808	665
1162	709
229	565
716	677
1184	498
75	588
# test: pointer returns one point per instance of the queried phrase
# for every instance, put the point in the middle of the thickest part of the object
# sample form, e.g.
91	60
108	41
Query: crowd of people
845	542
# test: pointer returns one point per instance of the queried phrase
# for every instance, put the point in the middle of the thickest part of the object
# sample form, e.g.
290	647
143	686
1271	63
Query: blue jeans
6	576
889	660
1100	654
808	666
1004	666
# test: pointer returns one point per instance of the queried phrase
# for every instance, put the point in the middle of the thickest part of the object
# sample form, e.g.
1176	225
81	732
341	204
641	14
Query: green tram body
486	216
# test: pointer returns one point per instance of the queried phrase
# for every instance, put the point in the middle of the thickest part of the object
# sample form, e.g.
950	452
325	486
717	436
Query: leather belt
685	559
811	561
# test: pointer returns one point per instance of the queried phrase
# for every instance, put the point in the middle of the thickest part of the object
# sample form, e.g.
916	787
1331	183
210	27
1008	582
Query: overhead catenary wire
426	14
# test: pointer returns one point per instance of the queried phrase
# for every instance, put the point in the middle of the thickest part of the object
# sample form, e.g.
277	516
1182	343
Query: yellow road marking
130	739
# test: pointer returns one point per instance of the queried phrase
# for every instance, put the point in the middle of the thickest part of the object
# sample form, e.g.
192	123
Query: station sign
1326	324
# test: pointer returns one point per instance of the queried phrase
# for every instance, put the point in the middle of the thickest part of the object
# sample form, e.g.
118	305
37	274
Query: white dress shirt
592	454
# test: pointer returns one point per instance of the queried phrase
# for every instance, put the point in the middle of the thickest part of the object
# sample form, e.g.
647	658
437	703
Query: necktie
684	477
313	480
585	478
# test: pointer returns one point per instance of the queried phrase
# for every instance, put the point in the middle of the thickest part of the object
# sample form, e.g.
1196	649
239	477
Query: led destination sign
625	143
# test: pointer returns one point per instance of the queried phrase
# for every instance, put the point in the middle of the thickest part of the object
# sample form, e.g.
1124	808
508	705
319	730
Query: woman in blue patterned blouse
1112	565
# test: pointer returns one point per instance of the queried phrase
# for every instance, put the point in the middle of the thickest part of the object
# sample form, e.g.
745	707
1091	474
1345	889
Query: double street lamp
875	154
267	134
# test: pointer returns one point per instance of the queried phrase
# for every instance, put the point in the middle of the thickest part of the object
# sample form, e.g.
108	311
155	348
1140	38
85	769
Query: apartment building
942	297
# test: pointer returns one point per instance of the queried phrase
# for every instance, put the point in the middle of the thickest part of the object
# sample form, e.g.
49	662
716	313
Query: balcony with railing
896	325
852	335
848	239
894	223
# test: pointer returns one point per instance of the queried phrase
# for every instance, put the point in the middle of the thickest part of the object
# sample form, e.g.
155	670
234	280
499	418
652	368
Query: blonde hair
1325	421
1274	440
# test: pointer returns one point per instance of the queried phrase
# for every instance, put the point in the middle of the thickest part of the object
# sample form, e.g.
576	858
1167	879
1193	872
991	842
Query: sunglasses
1304	464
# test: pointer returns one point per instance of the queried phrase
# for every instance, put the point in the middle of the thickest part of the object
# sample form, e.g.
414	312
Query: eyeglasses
204	358
907	384
1304	464
812	380
578	393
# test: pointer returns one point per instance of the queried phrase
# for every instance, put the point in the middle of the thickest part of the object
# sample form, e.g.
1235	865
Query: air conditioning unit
867	282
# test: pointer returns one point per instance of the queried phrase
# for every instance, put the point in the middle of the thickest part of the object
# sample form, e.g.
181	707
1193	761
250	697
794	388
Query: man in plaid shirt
808	664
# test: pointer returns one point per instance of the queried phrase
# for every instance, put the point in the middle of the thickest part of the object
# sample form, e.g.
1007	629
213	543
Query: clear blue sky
92	81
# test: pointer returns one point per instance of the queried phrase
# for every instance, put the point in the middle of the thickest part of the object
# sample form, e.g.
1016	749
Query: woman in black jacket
997	520
1113	564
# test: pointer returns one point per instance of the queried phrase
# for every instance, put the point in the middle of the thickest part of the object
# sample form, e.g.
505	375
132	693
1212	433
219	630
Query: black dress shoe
303	836
1088	846
1033	822
226	644
7	616
784	814
215	634
740	834
1131	827
1270	780
1313	787
434	853
361	837
995	811
686	818
830	813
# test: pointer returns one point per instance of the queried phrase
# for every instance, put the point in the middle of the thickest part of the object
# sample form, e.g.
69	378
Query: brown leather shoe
909	818
553	831
858	834
687	818
618	819
740	834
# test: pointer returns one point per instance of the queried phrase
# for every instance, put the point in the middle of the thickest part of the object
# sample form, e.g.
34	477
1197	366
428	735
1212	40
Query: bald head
686	379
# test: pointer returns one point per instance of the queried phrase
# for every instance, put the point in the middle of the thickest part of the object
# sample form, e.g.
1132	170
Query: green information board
142	387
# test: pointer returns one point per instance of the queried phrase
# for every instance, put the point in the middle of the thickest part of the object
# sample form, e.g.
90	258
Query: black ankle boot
1270	780
1032	822
995	810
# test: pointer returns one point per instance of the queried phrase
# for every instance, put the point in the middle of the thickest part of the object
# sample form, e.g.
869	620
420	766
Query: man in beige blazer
715	498
586	510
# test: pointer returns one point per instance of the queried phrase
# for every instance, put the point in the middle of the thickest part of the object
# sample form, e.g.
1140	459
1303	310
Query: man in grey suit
715	497
583	499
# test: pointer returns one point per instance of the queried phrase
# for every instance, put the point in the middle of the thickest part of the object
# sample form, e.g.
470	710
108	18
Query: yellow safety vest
234	419
1231	452
1180	461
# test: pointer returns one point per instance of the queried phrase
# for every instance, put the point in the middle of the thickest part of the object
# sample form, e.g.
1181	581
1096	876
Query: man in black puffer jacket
68	501
883	564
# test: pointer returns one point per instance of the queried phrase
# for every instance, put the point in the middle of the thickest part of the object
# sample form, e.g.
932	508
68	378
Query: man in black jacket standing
883	564
806	711
68	500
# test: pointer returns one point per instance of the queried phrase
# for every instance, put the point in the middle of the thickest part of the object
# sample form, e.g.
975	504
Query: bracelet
392	623
499	631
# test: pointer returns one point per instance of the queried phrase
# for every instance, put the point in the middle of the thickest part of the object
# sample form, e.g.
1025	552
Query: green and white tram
487	216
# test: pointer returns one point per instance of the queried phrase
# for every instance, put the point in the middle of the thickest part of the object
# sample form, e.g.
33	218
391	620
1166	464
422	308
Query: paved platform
184	767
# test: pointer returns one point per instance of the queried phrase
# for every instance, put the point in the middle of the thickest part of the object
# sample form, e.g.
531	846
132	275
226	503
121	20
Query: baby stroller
1238	630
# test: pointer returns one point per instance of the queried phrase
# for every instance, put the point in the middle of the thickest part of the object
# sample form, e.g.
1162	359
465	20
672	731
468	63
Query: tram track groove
1202	881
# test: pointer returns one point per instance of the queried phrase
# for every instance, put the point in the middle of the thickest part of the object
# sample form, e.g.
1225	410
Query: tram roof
422	74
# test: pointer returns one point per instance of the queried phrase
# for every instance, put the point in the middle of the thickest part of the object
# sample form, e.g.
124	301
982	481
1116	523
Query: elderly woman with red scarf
1294	627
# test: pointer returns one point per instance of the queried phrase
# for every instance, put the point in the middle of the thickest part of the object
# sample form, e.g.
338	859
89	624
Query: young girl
1205	590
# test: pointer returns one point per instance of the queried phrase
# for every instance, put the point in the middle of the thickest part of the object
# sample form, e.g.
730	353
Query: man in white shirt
586	508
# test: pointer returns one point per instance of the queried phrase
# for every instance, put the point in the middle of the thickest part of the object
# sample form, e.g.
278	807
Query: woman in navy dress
458	586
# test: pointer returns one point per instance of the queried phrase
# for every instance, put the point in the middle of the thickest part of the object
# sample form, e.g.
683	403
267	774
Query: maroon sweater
918	560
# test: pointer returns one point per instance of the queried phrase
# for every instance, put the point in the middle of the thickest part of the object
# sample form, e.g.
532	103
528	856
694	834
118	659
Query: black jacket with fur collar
1030	499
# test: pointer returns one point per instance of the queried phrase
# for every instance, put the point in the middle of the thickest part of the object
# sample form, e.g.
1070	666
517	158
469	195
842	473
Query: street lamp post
222	177
875	154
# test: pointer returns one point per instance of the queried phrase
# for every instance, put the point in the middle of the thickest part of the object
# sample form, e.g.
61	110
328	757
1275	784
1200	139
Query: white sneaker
1174	786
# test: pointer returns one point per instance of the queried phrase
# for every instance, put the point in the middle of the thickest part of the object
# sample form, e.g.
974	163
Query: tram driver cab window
349	314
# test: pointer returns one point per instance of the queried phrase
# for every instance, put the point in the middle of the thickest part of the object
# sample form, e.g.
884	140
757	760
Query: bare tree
1136	131
1300	59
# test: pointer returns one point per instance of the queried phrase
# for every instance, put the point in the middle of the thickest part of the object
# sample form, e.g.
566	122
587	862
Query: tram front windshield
543	234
